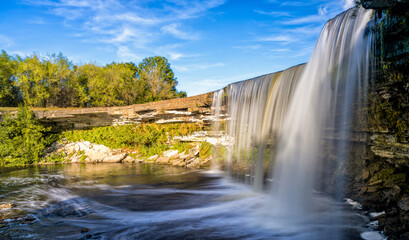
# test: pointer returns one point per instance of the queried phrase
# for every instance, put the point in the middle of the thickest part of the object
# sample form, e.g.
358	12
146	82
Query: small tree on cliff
159	78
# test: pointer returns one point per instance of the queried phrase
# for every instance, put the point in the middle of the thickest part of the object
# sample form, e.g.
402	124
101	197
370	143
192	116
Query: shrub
22	139
146	139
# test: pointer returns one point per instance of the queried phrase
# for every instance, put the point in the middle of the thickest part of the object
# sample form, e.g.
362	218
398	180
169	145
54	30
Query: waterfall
323	99
278	122
256	109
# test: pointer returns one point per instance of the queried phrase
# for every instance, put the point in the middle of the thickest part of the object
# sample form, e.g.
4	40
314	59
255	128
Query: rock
170	153
162	160
129	159
378	4
29	218
115	158
365	174
84	230
6	206
153	158
403	203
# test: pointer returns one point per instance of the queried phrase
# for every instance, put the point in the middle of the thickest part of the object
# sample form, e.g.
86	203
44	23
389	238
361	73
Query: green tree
159	78
22	139
32	82
9	93
60	80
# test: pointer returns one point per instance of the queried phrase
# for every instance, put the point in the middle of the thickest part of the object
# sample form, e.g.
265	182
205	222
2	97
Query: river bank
193	155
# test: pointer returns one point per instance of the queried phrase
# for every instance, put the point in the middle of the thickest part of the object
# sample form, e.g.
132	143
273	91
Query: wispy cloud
125	54
320	17
195	67
273	13
174	29
278	38
131	24
349	4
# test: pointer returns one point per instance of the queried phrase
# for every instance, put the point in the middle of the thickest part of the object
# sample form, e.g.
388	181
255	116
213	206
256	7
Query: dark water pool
120	201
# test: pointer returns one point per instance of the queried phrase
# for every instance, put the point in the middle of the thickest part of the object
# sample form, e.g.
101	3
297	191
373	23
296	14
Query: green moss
205	150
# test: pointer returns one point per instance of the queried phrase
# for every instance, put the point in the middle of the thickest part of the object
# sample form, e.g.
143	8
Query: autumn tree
9	94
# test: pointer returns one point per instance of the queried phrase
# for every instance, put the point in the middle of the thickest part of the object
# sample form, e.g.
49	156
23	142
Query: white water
278	121
338	66
256	109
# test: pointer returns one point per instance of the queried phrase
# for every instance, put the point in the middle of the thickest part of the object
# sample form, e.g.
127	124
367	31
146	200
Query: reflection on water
142	201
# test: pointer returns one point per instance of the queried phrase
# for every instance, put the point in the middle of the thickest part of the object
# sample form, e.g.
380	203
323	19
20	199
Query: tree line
54	81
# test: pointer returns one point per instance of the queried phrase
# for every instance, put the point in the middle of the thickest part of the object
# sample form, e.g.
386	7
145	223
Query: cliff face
378	173
190	109
382	4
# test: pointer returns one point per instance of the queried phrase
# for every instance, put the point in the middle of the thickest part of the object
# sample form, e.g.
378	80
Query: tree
9	93
22	139
60	80
159	77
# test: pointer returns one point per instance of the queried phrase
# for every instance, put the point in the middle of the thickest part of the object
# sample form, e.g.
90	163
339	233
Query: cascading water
324	98
256	108
281	119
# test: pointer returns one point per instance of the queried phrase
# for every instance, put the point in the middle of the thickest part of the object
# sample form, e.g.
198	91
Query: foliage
54	81
146	139
22	139
205	150
9	94
159	77
57	157
182	147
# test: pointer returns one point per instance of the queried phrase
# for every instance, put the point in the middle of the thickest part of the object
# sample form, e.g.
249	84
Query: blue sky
209	44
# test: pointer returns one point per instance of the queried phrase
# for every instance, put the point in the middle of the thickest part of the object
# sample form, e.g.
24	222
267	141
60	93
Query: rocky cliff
190	109
378	172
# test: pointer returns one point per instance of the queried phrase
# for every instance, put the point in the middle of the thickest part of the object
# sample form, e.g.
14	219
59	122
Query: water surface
142	201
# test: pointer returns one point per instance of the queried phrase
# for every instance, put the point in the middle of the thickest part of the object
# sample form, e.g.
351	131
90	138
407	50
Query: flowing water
280	123
137	201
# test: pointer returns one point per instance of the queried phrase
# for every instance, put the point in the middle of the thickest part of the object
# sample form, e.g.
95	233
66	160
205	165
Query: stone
162	160
378	4
170	153
6	206
129	159
115	158
153	158
403	203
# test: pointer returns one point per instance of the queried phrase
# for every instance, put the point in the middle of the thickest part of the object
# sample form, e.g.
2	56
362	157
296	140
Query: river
143	201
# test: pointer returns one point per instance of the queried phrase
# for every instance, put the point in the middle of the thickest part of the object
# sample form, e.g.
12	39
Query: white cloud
274	13
277	38
134	24
175	55
125	54
196	67
348	4
174	30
